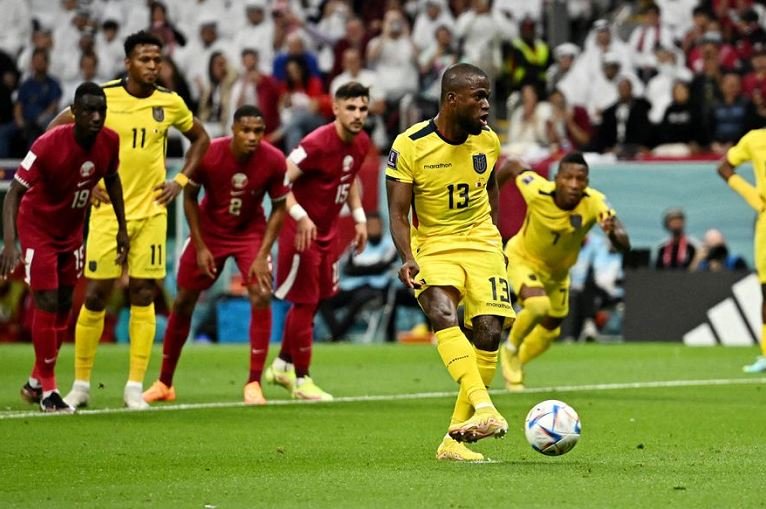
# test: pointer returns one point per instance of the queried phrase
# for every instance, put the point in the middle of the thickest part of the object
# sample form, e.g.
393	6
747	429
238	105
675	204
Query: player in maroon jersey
236	172
47	200
322	170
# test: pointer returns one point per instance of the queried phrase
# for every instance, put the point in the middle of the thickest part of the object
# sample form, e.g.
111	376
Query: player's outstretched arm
9	257
114	190
509	170
740	185
260	270
64	117
399	199
199	143
616	232
205	260
354	202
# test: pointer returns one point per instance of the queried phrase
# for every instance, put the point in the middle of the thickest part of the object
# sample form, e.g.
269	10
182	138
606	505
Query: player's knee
442	315
97	293
142	292
487	333
46	301
539	305
551	323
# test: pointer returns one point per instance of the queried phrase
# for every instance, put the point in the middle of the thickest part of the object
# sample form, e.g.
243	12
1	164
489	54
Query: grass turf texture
697	446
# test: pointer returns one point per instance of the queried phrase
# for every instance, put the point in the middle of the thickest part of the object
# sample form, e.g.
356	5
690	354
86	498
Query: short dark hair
247	110
249	51
142	37
574	158
88	88
454	77
351	90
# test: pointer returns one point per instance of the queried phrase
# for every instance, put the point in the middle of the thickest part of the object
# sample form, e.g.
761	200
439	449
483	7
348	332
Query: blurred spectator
600	42
433	61
15	26
749	32
330	29
646	38
568	127
565	55
171	78
365	277
705	89
194	58
215	98
659	89
525	60
625	128
677	16
9	79
517	10
756	78
355	37
678	251
296	48
714	255
258	32
66	37
701	18
304	105
109	48
480	35
392	55
712	48
88	72
38	99
728	115
432	15
166	31
256	88
682	131
756	112
528	125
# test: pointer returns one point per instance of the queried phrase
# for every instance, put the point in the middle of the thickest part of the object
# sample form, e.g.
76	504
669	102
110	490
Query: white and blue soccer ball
552	427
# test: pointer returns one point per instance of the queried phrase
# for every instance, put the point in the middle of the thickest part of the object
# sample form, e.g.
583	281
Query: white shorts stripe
290	280
28	256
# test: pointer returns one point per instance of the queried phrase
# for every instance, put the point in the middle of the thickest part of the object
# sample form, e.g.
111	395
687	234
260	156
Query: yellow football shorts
759	247
522	273
479	276
146	259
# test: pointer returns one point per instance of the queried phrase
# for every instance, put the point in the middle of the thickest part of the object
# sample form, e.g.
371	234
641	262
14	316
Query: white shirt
15	26
260	38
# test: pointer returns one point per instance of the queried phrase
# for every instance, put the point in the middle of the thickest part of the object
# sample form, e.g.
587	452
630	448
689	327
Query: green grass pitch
656	444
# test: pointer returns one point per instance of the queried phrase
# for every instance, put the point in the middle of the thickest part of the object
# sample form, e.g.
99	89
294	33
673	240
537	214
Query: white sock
134	386
34	383
300	381
82	385
281	365
48	393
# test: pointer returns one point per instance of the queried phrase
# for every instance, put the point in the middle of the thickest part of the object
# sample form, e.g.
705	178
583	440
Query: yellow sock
537	342
90	325
487	364
763	340
535	309
459	357
141	327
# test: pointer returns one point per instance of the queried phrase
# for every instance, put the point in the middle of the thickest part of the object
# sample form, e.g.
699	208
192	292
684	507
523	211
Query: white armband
297	212
359	216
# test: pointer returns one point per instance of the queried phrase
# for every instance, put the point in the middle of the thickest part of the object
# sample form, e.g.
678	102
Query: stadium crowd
628	67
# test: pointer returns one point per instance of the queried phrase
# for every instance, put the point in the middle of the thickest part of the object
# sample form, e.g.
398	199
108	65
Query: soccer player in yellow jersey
443	171
752	147
141	112
559	215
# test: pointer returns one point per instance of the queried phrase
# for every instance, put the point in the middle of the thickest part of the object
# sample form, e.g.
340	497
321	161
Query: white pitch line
410	396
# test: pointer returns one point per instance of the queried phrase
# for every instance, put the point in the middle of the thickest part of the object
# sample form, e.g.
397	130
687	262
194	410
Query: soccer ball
552	427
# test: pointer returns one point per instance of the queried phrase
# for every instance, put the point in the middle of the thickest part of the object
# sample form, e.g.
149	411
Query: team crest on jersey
158	113
348	161
393	158
239	181
87	169
480	163
575	220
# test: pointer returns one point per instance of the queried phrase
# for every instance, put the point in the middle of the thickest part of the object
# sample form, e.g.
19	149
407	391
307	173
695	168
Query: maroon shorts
307	277
49	264
190	277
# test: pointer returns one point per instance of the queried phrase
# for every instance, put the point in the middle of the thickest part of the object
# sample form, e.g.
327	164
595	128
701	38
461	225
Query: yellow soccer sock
141	327
487	364
90	325
535	309
463	408
459	357
763	340
537	342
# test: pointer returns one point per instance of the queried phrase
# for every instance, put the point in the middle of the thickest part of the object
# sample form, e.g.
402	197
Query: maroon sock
260	334
286	349
62	326
46	347
175	336
299	328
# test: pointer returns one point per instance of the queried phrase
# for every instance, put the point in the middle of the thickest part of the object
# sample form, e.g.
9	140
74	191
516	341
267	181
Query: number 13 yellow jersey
450	208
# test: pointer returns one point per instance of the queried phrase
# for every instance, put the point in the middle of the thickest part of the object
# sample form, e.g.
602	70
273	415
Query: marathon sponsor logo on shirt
297	155
480	163
393	158
29	160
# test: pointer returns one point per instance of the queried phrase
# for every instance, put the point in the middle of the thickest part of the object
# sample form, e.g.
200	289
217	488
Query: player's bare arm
10	255
354	202
306	230
205	260
200	141
261	270
64	117
508	171
399	199
740	185
615	230
113	186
